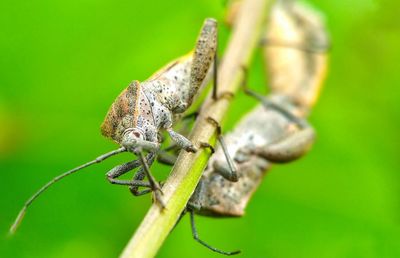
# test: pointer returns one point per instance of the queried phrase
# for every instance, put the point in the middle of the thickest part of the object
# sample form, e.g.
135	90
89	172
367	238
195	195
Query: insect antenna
22	212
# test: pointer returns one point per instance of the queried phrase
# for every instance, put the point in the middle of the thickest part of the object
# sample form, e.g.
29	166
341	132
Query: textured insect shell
218	196
204	55
131	109
179	82
293	26
152	104
171	84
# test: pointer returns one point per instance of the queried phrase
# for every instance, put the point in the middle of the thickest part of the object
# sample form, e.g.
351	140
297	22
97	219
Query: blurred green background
62	63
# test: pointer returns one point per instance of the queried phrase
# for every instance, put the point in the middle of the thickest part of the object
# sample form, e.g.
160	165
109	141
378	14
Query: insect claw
226	94
158	188
192	149
182	141
157	198
207	145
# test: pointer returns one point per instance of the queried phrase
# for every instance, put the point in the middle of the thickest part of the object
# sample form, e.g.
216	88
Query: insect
145	108
276	130
141	110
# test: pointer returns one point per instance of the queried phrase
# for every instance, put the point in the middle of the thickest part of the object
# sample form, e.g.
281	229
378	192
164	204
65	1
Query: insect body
263	136
144	108
276	130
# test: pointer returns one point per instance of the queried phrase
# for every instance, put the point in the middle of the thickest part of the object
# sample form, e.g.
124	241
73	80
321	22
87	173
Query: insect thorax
131	109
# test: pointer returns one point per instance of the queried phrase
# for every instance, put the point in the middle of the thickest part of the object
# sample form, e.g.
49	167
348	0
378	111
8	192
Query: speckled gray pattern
295	54
151	105
217	196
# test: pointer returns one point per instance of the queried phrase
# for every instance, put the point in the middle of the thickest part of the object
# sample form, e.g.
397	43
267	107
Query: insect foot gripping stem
182	141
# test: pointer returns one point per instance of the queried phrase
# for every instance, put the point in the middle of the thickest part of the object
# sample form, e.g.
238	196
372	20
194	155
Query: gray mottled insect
270	133
276	130
143	109
138	114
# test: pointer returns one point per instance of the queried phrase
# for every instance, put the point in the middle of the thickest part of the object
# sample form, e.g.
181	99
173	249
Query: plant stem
187	171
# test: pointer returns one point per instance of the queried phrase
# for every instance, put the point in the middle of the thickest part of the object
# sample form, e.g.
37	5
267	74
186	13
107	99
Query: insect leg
139	175
291	147
229	172
162	157
166	158
267	103
122	169
137	180
196	237
181	141
193	115
187	120
140	192
153	183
